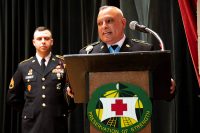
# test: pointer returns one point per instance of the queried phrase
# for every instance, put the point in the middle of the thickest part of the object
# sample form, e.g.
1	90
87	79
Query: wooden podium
150	70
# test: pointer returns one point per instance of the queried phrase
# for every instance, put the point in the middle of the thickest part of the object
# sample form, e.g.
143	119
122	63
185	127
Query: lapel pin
128	46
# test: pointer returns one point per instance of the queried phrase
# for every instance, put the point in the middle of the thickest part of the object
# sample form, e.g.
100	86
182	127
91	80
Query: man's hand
70	92
173	86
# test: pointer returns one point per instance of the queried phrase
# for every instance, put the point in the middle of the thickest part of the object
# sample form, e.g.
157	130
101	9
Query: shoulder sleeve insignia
61	61
26	60
60	57
12	84
89	47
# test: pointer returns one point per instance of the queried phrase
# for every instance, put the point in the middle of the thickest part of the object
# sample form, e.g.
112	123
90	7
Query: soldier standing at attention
39	86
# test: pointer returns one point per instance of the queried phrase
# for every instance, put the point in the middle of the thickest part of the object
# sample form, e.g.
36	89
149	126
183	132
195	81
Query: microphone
135	26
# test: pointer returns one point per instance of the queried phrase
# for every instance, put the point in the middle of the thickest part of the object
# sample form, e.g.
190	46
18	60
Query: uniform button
64	115
43	105
43	96
43	79
25	117
43	87
28	80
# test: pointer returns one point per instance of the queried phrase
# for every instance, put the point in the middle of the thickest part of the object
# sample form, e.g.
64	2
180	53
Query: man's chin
44	51
107	40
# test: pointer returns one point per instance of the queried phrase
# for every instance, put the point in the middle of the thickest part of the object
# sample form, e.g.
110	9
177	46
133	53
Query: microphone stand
158	37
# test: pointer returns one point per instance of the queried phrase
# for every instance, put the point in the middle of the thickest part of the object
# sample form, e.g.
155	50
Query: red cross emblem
119	107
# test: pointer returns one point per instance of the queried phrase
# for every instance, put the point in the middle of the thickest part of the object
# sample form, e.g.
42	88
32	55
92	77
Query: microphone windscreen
132	25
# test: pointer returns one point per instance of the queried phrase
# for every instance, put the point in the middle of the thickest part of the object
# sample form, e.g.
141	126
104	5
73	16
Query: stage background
73	23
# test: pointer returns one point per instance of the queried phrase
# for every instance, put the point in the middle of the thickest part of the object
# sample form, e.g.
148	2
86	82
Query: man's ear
52	42
124	22
33	41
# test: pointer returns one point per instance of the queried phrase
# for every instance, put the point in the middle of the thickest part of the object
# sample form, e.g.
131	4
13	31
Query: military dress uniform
42	95
129	45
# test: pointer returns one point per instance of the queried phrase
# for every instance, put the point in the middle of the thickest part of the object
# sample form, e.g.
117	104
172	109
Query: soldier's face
43	41
111	25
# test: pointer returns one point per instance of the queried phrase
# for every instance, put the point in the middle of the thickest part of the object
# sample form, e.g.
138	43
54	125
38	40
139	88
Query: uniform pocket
27	112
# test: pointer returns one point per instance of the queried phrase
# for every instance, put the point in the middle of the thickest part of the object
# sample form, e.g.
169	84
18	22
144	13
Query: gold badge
29	88
12	84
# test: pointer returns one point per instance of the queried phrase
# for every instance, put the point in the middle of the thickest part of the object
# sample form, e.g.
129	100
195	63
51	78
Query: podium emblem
119	108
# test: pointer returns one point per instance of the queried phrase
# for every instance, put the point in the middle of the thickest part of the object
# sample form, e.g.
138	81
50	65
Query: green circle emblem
119	108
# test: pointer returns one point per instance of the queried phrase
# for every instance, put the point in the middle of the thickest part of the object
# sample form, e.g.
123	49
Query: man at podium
111	26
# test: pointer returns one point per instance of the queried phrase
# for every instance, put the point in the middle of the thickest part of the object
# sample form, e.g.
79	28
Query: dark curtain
164	17
73	23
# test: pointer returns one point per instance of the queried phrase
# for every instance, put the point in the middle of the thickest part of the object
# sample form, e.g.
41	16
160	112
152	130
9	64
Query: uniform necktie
43	66
114	48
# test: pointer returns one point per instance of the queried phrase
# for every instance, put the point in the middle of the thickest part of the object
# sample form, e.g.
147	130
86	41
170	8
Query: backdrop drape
73	23
189	15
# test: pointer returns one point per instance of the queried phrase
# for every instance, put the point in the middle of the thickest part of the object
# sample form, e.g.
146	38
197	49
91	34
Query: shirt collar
119	43
47	58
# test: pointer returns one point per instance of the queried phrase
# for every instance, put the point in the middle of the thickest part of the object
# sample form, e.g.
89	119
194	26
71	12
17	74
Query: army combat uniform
41	94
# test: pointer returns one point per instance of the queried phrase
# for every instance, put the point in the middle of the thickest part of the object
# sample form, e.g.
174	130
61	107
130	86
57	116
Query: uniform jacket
42	95
129	45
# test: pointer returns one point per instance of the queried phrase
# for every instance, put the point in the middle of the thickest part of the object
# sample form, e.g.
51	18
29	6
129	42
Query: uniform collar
119	43
47	58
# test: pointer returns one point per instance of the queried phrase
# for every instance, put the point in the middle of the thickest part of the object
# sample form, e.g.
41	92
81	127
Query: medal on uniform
58	75
29	88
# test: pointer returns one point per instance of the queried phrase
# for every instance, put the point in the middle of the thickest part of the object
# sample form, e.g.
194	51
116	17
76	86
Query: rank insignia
12	84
